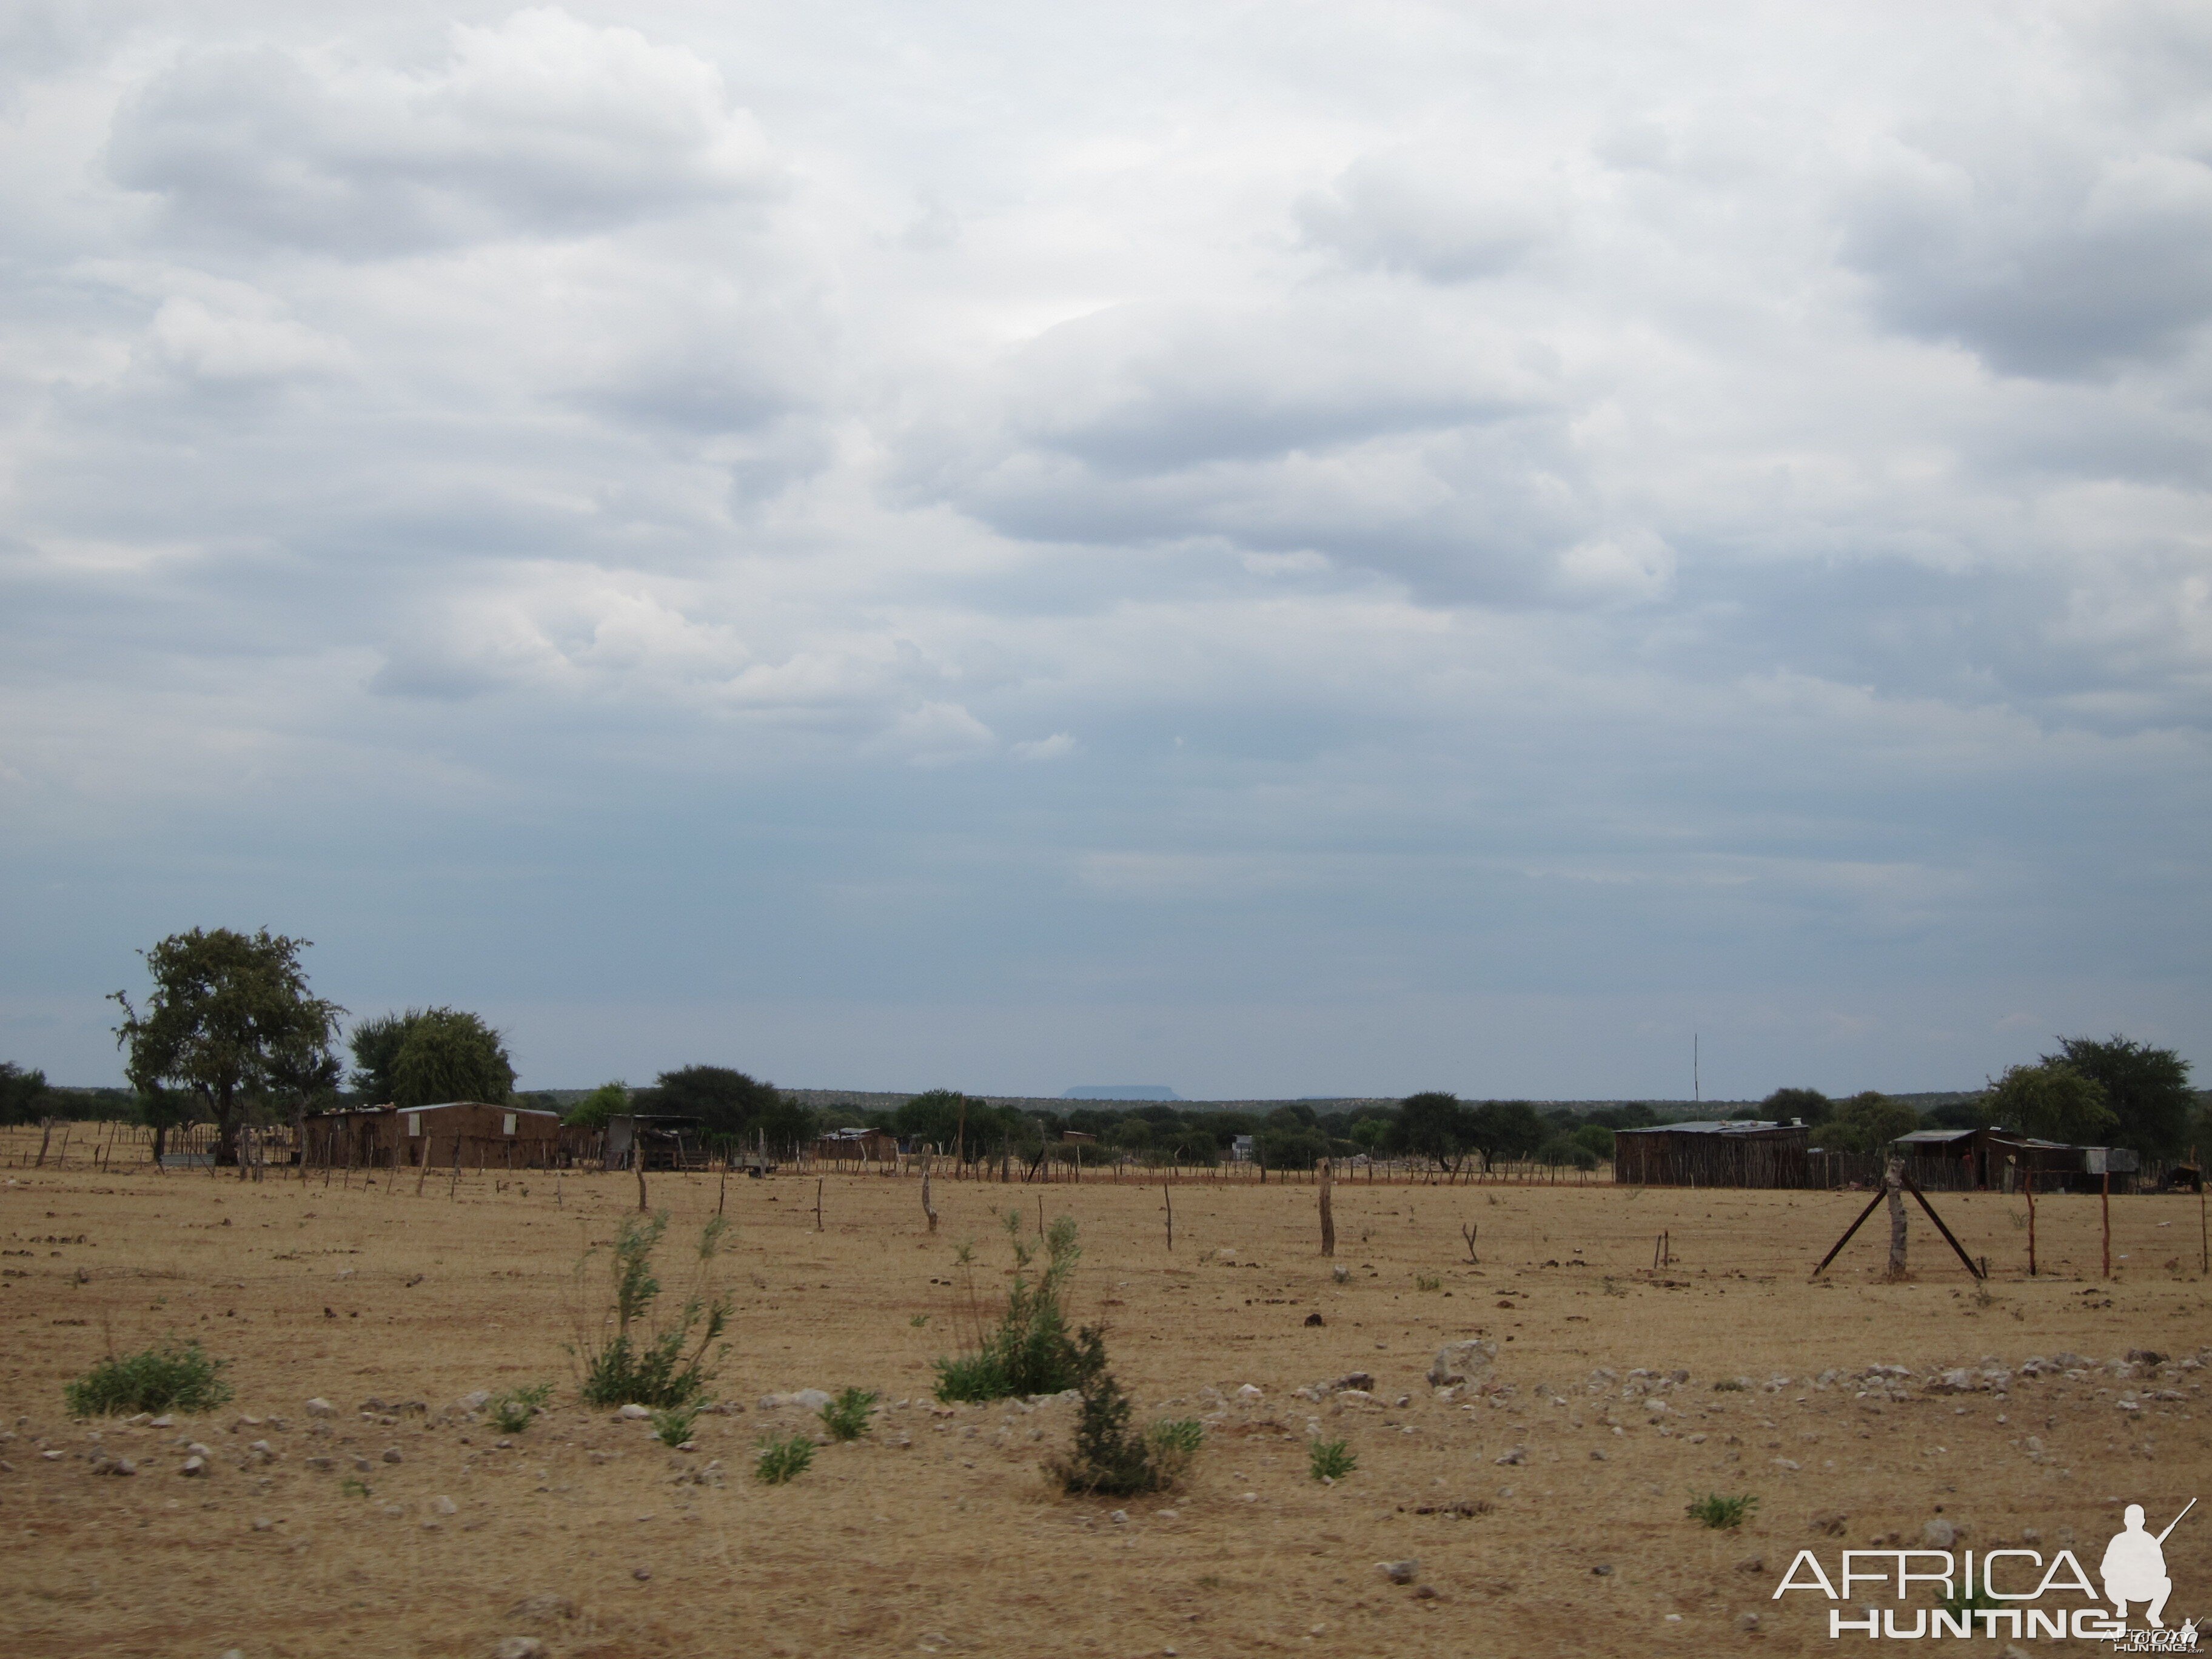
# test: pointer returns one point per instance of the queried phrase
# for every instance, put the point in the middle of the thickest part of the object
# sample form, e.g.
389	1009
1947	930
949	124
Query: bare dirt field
1546	1513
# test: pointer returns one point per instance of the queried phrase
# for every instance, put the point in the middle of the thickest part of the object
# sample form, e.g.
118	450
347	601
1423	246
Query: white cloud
1552	515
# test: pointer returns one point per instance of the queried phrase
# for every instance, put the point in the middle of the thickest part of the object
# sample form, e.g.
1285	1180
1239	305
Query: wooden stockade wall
1671	1158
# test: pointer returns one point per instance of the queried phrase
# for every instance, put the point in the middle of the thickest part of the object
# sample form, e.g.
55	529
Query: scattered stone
1461	1361
634	1413
1399	1572
805	1400
1227	1257
1315	1319
194	1467
164	1421
1746	1621
1939	1533
542	1608
444	1506
1831	1521
1603	1569
1424	1592
642	1573
1120	1518
476	1402
262	1523
1250	1393
1518	1455
1341	1273
322	1462
393	1455
519	1647
1751	1564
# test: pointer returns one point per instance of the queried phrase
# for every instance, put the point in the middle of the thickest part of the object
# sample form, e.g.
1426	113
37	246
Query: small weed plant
1329	1460
846	1416
1109	1459
1720	1512
354	1487
1030	1350
511	1411
782	1459
628	1357
1422	1283
176	1376
1730	1385
671	1424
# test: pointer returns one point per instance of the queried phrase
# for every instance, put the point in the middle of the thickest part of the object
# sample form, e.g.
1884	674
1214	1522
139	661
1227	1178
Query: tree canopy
2147	1090
232	1023
2052	1102
24	1098
1866	1122
730	1105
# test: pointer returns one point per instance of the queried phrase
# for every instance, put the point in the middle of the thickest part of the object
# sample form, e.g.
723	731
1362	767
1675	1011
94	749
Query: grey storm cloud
1008	547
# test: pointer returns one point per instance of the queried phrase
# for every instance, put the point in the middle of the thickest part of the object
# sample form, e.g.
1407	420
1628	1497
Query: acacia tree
2052	1102
427	1055
231	1023
2147	1089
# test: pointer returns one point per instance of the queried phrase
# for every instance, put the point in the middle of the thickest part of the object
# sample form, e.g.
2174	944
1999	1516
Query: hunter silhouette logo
2001	1593
2134	1568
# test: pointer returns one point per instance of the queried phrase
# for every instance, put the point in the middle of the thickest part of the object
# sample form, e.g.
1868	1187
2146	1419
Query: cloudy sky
1267	548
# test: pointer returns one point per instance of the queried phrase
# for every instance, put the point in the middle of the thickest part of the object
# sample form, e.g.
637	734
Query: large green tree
936	1118
24	1098
2148	1090
232	1023
428	1056
1433	1124
1866	1122
1507	1129
731	1106
2052	1102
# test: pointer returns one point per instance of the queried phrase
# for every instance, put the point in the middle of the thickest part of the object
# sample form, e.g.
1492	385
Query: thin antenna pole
1697	1084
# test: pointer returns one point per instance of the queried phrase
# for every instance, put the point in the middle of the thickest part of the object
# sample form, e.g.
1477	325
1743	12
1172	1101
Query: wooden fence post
1326	1179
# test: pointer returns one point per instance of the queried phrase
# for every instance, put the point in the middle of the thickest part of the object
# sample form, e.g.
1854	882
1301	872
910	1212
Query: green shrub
1031	1350
1329	1460
1720	1512
511	1411
846	1416
1108	1458
665	1366
1421	1283
782	1459
176	1376
671	1426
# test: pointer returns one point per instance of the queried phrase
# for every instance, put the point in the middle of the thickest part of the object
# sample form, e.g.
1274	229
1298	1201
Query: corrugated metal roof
1742	1126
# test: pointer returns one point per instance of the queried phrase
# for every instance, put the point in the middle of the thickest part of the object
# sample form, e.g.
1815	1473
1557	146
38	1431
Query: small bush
173	1377
1031	1350
919	1320
1329	1460
510	1412
846	1416
354	1487
782	1459
1424	1284
672	1425
1108	1458
1729	1385
665	1367
1721	1513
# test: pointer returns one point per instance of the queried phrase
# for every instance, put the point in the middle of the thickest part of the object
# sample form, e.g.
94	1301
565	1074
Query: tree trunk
1894	1181
226	1126
1327	1220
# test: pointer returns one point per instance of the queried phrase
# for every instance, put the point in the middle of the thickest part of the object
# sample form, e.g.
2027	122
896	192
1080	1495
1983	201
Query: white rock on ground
634	1413
1461	1361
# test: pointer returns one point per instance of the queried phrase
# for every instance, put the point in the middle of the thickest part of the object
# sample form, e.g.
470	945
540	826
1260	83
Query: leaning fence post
1325	1177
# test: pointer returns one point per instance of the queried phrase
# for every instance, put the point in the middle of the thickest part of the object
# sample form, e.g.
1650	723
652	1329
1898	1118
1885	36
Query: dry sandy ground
938	1533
